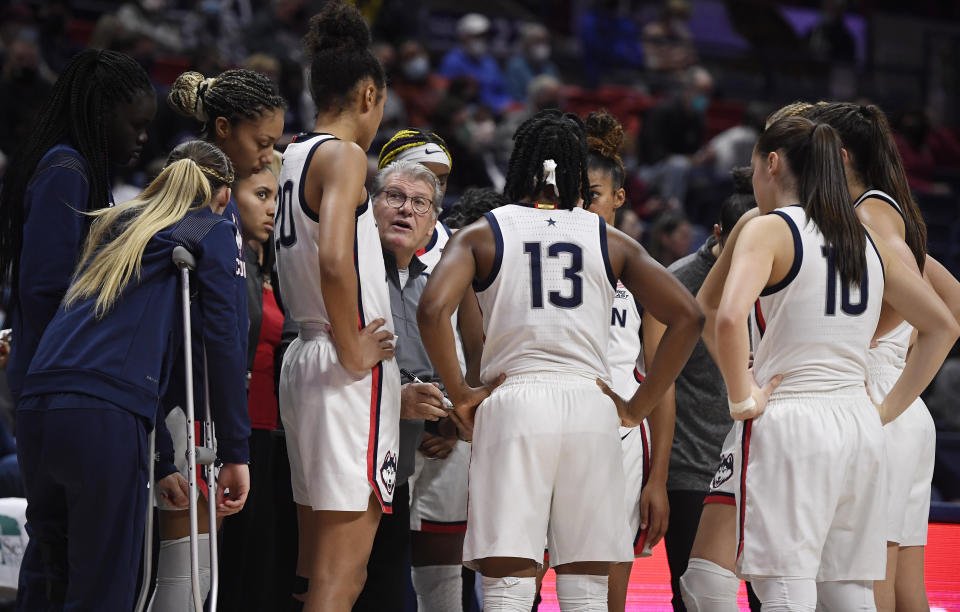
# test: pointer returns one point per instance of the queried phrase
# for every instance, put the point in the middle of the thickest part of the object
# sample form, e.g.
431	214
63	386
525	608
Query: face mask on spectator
483	133
416	69
699	103
540	53
476	47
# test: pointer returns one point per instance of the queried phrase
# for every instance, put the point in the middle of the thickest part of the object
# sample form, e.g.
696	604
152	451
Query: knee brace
706	586
174	591
439	588
786	594
846	595
582	593
509	594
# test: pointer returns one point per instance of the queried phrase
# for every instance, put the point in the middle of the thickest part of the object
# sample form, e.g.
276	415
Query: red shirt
262	399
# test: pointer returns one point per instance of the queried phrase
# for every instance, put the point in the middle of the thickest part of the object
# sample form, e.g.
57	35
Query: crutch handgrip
206	455
184	258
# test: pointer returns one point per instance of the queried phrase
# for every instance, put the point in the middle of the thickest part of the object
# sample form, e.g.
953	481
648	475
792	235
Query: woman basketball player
546	461
812	451
632	345
882	199
241	113
339	384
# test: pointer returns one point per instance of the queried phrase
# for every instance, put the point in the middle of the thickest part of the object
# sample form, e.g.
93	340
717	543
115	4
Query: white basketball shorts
635	447
911	442
342	430
723	489
438	492
547	463
811	499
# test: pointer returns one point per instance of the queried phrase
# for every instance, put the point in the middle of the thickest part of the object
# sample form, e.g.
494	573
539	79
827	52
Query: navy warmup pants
84	466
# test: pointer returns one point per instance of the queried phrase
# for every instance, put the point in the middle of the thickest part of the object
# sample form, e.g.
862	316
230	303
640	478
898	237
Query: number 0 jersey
816	331
547	300
297	241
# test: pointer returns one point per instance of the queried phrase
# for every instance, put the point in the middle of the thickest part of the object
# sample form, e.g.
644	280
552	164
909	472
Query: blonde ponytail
118	236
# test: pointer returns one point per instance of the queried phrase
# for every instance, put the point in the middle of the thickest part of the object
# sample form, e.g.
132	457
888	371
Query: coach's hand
372	347
421	401
438	447
234	477
465	401
174	490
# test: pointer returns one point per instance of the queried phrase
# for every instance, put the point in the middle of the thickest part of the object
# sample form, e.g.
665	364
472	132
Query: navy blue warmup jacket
53	232
128	356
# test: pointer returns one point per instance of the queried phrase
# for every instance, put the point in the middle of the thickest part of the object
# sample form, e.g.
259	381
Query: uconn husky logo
241	263
388	471
724	472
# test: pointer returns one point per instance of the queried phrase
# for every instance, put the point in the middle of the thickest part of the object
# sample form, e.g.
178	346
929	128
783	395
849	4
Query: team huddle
503	382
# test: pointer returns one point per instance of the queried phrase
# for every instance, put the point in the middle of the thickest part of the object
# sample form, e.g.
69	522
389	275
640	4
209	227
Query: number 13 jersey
817	330
547	300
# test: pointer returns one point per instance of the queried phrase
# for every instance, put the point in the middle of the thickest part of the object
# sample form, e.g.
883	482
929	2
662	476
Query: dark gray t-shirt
703	417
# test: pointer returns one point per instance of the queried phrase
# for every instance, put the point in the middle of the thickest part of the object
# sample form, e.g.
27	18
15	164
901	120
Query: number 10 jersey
817	329
547	300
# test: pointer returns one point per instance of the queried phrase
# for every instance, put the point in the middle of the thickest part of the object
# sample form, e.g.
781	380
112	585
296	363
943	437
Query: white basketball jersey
297	241
546	303
625	351
816	330
891	348
430	254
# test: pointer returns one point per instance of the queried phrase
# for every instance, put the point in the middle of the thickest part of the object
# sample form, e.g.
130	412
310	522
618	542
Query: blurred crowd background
691	80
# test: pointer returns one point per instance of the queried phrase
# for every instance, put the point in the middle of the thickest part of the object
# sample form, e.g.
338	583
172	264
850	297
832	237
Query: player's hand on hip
623	406
421	401
372	347
233	487
760	397
174	490
465	403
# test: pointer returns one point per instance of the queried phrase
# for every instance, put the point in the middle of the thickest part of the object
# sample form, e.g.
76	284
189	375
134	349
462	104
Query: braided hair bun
188	93
604	134
604	139
338	27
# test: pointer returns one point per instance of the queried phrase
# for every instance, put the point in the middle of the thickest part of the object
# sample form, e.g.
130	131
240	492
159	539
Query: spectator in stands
543	92
668	45
673	130
420	89
670	237
472	58
733	147
830	40
925	151
24	87
532	60
150	19
610	40
452	121
629	223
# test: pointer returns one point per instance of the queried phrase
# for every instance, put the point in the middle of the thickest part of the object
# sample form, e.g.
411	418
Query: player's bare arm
335	180
469	254
762	256
654	505
670	303
937	330
470	322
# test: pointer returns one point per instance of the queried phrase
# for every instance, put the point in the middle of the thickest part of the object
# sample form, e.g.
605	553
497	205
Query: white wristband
738	408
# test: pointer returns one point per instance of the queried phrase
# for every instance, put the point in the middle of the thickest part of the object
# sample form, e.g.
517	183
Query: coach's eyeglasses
396	199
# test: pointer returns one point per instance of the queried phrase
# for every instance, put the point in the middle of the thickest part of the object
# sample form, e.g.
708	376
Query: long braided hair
549	134
93	83
234	94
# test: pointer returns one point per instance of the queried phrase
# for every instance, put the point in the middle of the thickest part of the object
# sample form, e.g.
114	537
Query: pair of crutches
204	454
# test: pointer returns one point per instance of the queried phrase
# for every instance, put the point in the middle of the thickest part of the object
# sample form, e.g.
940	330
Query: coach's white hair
414	171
